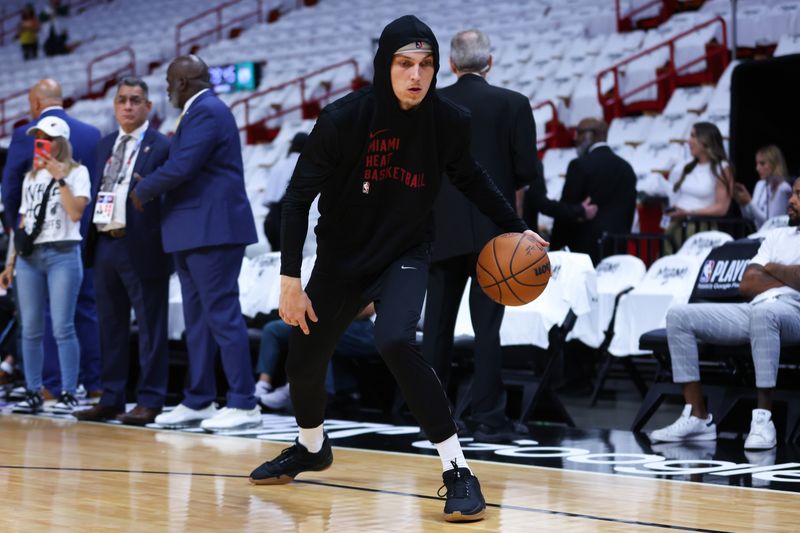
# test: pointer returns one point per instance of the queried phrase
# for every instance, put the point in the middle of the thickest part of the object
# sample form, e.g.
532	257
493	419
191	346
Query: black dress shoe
139	416
504	434
97	413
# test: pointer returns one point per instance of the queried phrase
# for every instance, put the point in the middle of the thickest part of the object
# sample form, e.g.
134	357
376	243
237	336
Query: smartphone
41	148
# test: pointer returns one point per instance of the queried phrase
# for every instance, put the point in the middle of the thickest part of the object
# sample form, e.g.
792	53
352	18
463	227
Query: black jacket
503	143
378	169
611	183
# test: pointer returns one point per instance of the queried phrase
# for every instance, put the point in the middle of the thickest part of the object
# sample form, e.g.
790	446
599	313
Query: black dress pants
445	289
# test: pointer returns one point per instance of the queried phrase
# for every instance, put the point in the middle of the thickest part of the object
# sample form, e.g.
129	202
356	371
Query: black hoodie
379	168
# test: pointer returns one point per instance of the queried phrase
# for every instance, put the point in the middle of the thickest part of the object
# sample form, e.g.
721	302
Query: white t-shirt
57	226
781	245
697	191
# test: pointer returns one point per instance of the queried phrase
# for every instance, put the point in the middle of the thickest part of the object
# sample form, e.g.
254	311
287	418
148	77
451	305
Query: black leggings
398	294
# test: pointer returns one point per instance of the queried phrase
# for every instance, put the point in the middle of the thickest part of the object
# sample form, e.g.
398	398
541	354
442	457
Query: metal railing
305	102
219	26
667	78
7	121
625	22
130	66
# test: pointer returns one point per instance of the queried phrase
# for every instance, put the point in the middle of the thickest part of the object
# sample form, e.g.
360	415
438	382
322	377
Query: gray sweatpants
763	324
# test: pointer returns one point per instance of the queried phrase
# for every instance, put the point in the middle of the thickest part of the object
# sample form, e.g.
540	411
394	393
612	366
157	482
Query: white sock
6	367
312	438
450	450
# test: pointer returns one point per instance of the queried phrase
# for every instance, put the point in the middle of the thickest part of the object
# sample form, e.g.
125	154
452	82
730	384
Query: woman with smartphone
60	187
772	191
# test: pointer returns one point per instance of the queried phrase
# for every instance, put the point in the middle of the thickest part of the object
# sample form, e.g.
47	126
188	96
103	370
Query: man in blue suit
206	221
130	266
45	100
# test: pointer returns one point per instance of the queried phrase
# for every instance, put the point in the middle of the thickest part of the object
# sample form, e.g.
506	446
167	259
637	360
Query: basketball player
377	157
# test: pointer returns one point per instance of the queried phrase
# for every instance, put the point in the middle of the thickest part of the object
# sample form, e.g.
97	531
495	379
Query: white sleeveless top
698	189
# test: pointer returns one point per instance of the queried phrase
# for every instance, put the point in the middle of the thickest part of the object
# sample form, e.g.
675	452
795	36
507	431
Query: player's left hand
536	237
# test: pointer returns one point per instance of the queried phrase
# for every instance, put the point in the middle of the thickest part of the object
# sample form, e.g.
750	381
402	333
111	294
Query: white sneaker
762	431
687	427
278	399
183	417
262	388
228	419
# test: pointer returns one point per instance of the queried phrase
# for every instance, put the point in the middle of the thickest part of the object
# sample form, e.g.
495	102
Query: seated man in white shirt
772	280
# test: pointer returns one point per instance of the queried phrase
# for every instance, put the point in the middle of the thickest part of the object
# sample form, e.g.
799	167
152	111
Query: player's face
412	74
763	167
131	107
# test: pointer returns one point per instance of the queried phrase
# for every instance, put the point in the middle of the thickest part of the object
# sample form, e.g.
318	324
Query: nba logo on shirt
365	187
708	269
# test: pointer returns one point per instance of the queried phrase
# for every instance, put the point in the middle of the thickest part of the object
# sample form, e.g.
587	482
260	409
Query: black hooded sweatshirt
379	168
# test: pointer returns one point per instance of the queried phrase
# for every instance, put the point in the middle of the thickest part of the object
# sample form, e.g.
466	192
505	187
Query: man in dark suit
45	100
206	221
598	173
504	143
131	268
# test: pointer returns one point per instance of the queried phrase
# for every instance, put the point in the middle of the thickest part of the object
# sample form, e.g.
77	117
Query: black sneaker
31	405
65	405
465	502
292	461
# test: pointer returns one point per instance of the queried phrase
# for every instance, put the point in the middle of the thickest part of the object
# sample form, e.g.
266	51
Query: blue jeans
53	269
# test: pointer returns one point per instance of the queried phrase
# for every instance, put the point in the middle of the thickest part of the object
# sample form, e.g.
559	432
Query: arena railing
668	77
625	22
309	105
7	121
105	79
216	32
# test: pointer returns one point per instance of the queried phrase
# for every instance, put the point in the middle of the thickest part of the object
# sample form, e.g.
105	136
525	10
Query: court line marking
372	490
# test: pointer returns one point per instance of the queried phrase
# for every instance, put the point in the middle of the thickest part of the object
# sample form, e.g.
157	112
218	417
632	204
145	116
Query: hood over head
398	34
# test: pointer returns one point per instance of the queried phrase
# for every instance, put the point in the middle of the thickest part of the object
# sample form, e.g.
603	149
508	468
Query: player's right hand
294	304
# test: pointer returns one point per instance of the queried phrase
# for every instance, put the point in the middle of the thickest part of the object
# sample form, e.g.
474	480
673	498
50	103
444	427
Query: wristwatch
62	182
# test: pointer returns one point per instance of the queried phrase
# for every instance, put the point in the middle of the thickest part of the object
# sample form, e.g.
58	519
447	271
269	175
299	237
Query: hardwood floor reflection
66	476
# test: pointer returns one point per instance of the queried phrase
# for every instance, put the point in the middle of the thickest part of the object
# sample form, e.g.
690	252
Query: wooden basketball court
63	475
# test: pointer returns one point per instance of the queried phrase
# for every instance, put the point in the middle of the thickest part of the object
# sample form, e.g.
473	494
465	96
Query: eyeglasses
134	100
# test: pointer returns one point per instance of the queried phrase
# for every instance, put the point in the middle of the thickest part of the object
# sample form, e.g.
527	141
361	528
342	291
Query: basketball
513	269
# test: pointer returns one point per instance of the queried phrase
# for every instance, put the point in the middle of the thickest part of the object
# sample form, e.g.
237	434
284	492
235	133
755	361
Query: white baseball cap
51	126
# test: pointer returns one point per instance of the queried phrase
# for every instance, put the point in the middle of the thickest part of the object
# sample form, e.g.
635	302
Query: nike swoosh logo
403	267
376	133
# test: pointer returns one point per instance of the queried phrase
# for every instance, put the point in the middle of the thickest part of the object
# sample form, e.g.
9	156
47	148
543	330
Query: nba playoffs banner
723	268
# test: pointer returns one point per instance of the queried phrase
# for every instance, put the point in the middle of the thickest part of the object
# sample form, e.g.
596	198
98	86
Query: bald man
206	221
602	177
45	100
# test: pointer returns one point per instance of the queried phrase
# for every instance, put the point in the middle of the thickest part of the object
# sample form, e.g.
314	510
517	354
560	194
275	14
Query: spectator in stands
772	192
704	185
28	32
45	100
55	193
206	222
131	268
357	340
772	280
53	16
279	176
377	157
503	142
597	178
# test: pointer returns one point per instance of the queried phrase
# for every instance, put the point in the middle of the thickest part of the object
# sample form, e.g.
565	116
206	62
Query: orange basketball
513	269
